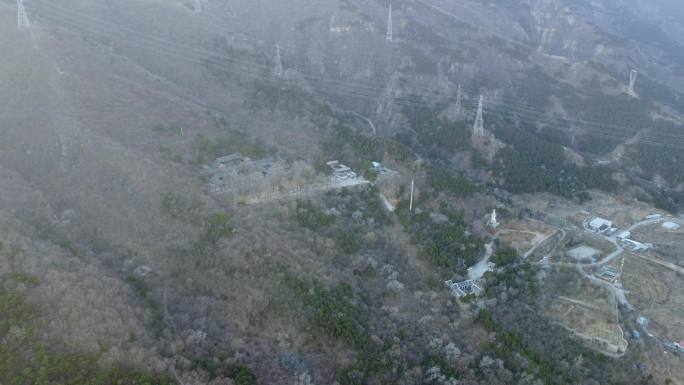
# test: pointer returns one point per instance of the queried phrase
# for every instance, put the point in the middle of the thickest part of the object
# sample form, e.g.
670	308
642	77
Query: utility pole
22	18
278	71
478	127
197	5
632	80
458	100
411	201
389	24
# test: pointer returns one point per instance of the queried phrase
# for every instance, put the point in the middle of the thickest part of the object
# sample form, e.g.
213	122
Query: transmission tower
632	80
278	70
197	6
478	127
443	79
22	18
389	24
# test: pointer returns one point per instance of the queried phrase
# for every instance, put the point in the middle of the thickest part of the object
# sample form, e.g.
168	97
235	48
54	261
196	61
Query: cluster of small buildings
463	288
636	246
605	227
239	177
340	171
226	170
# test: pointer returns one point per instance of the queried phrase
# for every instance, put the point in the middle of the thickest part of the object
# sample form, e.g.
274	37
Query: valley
247	192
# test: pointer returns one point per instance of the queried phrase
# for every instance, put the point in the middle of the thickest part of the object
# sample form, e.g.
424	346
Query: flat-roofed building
600	225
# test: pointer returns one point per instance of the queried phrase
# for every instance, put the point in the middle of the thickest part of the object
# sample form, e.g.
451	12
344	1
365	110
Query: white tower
632	80
492	220
197	6
389	24
22	18
478	127
278	70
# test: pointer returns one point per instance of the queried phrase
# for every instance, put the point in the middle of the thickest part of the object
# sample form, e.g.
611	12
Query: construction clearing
588	311
584	254
524	235
656	293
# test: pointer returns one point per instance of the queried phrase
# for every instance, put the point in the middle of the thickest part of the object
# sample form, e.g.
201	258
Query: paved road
309	189
533	249
669	265
619	294
614	240
370	122
480	268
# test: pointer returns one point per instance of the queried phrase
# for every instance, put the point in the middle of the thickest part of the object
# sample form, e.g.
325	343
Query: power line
643	139
80	17
543	117
77	17
434	96
249	67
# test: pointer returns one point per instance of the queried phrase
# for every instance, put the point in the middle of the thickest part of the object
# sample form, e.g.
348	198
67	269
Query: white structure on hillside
670	226
492	220
636	246
600	225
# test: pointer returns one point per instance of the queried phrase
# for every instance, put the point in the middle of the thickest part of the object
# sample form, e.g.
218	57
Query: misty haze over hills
295	192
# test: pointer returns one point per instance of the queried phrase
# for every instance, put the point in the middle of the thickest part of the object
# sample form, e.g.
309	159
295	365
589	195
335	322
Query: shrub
312	217
241	374
216	227
348	242
505	257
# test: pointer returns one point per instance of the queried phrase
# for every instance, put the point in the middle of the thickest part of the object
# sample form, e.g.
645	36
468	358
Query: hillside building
600	225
